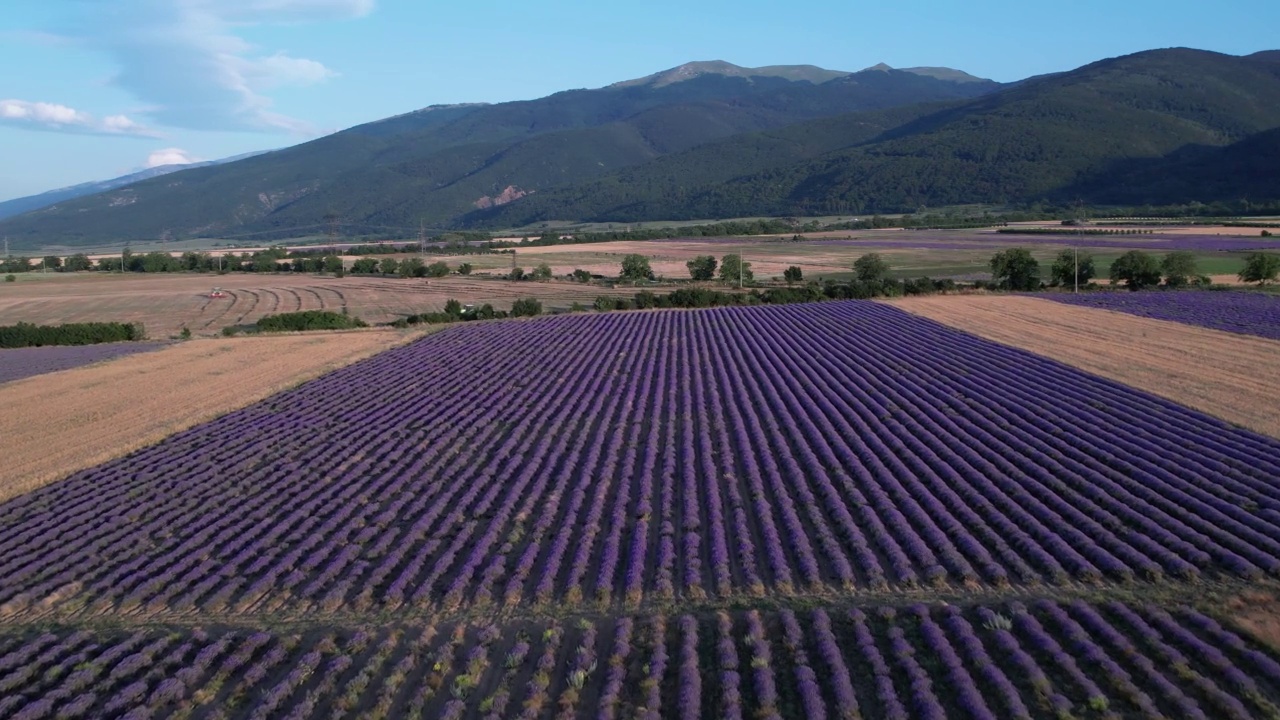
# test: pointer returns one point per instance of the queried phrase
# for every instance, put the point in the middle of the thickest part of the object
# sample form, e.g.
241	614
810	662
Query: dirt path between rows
1230	376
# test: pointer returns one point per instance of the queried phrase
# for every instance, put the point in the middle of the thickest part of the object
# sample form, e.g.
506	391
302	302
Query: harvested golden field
167	303
1234	377
58	423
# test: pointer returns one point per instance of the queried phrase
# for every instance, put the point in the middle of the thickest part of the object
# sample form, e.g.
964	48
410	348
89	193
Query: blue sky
92	89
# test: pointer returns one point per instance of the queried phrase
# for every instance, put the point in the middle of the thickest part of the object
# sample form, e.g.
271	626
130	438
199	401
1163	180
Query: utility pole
422	240
332	219
1075	253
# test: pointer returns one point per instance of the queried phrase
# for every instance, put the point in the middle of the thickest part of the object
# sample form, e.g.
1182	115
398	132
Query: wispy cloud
61	118
186	59
170	156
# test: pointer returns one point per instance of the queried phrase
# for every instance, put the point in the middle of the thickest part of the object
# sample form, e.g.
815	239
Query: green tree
793	274
517	273
159	262
332	263
1179	268
413	268
464	269
702	267
438	269
365	266
453	307
582	276
1136	269
10	278
635	267
389	266
52	262
734	269
526	307
78	263
1015	269
1260	267
871	268
542	272
1064	273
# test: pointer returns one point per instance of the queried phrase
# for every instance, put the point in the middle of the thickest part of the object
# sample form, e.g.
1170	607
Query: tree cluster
308	320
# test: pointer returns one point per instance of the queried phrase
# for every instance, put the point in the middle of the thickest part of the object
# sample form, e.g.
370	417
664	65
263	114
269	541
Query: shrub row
29	335
309	320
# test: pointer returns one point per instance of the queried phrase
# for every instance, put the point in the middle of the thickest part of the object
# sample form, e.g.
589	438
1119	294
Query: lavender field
1249	313
1022	660
622	456
19	363
573	516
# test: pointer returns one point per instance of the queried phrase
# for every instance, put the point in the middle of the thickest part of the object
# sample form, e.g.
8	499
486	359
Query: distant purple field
942	240
1162	243
20	363
1238	312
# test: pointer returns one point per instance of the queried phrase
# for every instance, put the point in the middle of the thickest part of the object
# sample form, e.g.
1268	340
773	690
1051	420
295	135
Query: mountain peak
690	70
937	73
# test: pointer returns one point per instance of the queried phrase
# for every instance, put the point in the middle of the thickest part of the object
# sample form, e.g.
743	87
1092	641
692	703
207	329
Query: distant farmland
166	302
834	509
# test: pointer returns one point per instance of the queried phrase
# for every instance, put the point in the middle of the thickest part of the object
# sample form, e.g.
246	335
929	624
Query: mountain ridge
435	165
723	145
29	203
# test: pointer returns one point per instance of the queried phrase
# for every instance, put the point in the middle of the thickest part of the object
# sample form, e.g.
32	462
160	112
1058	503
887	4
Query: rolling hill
442	162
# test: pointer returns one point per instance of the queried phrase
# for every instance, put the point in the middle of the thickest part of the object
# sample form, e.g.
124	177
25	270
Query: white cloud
186	61
60	118
170	156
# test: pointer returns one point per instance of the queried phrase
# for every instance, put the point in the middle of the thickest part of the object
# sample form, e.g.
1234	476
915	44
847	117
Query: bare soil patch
1258	612
1233	377
56	424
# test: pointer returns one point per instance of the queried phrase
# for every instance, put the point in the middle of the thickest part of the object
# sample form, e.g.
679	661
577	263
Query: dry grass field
167	303
59	423
1233	377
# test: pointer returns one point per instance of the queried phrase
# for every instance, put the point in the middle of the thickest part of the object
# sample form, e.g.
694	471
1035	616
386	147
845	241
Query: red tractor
217	293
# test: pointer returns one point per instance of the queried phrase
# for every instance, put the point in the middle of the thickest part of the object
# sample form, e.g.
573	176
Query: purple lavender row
762	682
806	679
727	661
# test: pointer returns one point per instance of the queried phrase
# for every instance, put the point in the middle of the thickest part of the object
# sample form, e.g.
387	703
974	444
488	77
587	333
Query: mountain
1044	138
1242	170
688	71
17	206
442	162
